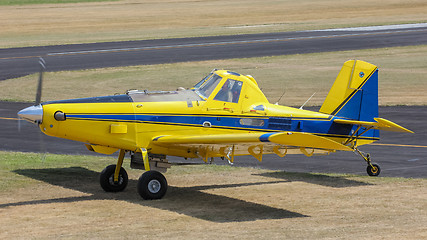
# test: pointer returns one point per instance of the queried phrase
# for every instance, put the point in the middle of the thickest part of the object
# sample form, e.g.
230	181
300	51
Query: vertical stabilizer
354	94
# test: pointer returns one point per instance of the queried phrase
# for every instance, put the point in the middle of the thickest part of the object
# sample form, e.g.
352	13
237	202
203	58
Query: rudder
354	94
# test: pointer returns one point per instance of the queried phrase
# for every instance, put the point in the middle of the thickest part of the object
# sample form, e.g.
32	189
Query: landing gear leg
152	184
372	169
114	178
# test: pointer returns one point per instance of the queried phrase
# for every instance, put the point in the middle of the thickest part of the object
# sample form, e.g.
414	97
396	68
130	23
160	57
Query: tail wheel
152	185
373	170
106	179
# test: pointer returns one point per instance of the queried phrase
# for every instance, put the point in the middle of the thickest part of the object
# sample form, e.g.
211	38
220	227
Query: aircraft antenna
307	101
280	98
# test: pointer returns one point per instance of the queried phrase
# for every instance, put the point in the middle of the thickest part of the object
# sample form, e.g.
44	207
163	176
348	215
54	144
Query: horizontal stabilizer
282	138
380	124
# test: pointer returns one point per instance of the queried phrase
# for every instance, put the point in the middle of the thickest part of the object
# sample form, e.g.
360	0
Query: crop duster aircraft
224	115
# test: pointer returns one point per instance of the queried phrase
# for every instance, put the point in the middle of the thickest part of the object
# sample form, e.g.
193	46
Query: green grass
27	2
12	161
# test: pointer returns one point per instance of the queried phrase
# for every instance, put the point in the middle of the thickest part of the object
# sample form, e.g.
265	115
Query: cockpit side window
230	91
206	89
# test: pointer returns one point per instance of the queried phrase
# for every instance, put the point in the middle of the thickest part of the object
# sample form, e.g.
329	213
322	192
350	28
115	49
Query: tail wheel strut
372	169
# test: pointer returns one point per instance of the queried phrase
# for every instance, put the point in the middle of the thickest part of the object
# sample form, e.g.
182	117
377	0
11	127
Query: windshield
203	81
206	89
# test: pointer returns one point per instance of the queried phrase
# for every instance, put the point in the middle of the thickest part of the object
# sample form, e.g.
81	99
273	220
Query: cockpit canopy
229	91
216	86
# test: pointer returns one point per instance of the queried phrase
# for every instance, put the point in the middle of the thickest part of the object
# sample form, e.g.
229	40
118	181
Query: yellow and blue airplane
224	115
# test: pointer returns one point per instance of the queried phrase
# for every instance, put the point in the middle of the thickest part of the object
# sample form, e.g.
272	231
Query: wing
296	139
380	124
255	144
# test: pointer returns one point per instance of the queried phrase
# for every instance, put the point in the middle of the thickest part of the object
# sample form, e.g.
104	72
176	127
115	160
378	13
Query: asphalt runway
16	62
398	154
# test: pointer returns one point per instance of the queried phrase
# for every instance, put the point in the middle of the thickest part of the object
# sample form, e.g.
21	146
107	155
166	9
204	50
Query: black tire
373	170
106	179
152	185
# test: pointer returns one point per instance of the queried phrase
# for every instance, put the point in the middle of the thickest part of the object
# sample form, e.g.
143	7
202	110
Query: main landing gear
106	179
151	185
372	169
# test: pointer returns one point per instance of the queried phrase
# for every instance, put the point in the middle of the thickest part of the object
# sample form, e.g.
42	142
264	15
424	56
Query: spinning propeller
34	113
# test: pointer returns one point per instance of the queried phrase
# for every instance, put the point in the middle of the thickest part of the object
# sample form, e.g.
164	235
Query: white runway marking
378	28
413	160
258	26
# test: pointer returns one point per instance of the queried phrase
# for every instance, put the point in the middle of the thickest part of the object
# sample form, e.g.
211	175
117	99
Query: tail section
354	94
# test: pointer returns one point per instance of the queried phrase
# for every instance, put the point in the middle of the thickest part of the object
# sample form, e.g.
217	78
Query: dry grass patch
45	24
30	2
60	200
402	77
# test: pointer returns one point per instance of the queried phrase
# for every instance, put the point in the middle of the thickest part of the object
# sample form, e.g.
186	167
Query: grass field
58	197
46	24
402	77
31	2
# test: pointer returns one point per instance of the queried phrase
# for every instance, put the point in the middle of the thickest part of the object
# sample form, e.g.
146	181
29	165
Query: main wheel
373	170
106	179
152	185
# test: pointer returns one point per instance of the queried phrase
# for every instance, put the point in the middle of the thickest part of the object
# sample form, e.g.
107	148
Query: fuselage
130	125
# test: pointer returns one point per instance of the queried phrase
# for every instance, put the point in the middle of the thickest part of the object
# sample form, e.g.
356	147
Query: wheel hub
112	183
154	186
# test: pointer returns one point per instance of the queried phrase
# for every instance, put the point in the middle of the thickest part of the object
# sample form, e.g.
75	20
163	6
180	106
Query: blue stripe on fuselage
315	126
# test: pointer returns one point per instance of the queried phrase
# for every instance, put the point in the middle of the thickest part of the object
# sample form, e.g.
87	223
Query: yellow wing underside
255	144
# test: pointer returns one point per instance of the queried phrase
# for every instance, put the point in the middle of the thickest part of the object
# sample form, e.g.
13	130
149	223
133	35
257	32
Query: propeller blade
39	86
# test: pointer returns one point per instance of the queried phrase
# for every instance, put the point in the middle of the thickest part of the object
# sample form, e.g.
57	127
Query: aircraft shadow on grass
319	179
191	201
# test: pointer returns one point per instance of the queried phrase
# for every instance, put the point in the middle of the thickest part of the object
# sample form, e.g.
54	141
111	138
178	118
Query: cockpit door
226	97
